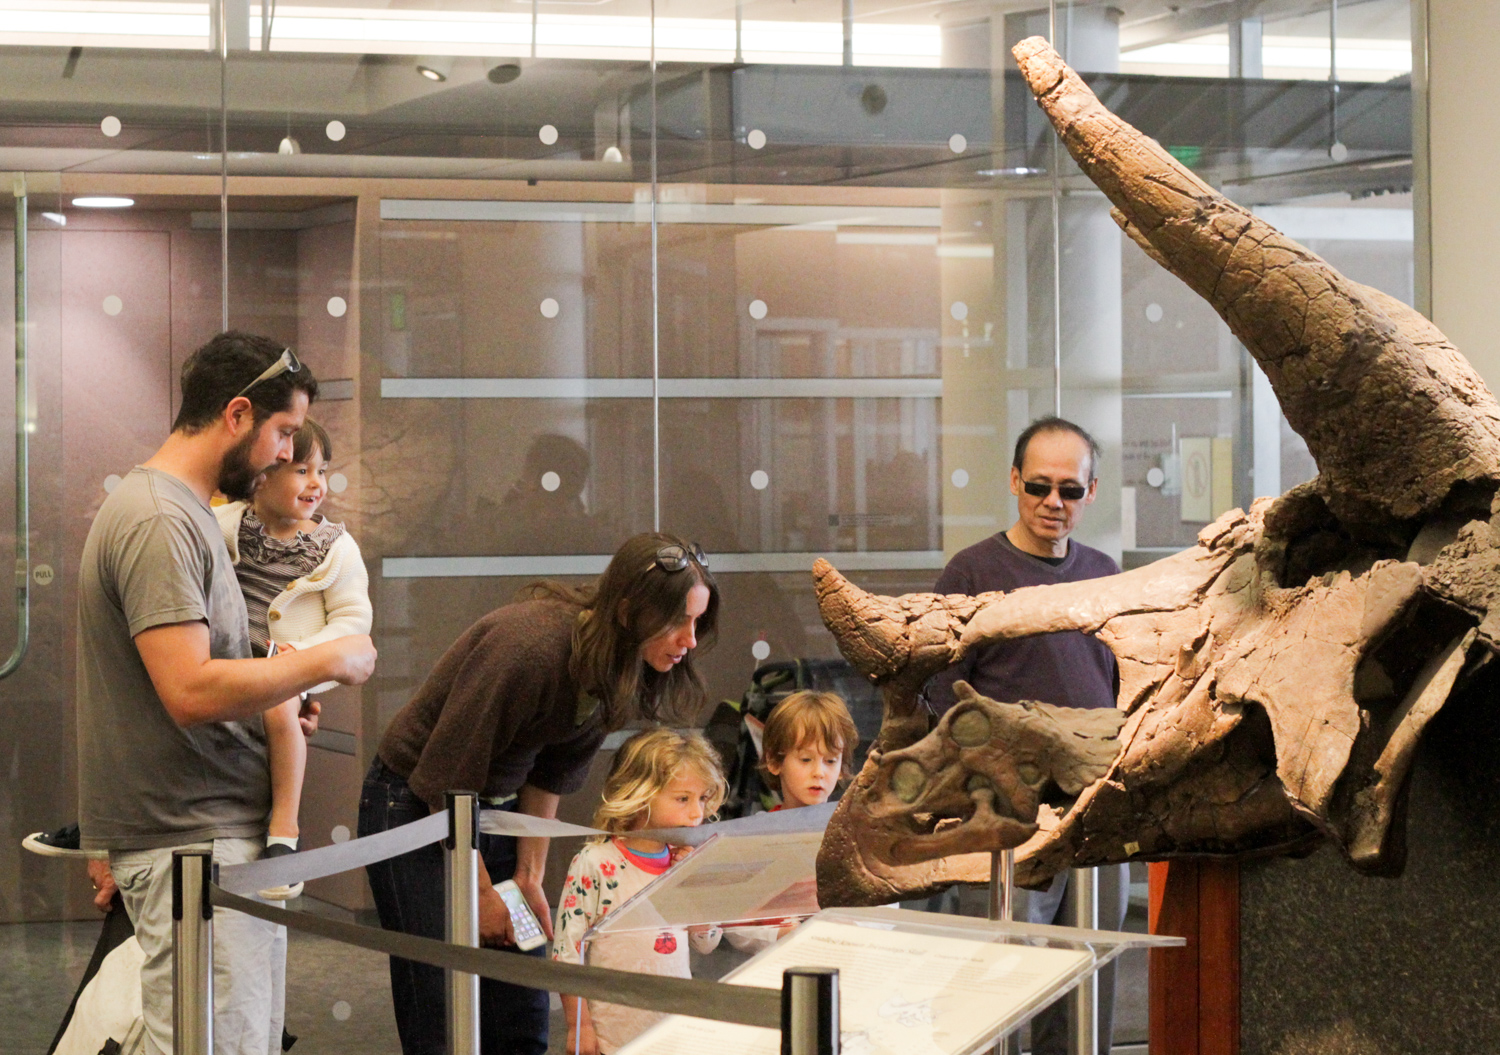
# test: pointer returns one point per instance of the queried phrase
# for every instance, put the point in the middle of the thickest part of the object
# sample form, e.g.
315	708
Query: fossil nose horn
869	629
1393	415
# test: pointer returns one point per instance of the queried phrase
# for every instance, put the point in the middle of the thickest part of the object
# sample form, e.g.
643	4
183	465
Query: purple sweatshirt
1069	668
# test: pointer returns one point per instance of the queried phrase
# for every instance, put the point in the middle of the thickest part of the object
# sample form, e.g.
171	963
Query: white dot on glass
110	483
551	481
959	310
342	1010
1154	312
1338	152
337	306
960	478
110	126
957	143
335	130
757	309
550	308
547	134
1155	477
340	833
760	480
756	139
761	649
338	483
113	305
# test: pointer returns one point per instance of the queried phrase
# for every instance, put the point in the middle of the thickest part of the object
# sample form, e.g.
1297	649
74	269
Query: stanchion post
1002	886
810	1011
1083	1004
1003	909
192	953
462	872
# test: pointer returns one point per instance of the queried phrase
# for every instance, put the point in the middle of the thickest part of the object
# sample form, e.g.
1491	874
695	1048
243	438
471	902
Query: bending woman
516	710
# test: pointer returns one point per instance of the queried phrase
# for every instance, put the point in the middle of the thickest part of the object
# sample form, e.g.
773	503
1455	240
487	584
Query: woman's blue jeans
409	897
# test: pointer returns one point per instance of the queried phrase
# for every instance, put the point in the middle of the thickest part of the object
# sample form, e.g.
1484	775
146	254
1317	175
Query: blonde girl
659	779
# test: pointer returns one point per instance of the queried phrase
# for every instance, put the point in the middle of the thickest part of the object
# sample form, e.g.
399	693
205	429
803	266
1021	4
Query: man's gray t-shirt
155	556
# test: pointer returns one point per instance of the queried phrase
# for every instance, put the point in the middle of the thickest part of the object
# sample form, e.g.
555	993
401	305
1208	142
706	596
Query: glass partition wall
786	277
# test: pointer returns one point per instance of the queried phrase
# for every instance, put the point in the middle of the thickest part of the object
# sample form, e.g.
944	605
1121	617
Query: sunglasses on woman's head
675	558
1067	492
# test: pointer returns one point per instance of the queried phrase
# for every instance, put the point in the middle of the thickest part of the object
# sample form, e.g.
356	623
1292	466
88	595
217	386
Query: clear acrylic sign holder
910	983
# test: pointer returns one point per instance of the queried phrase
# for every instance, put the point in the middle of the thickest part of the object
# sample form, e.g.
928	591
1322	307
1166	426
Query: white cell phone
523	921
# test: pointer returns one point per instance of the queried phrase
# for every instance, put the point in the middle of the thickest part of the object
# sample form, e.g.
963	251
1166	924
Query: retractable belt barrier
744	1005
356	853
806	1014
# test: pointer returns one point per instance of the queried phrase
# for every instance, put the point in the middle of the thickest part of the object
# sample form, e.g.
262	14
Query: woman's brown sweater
499	710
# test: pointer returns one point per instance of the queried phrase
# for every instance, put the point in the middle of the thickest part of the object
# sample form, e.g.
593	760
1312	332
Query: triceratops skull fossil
1275	679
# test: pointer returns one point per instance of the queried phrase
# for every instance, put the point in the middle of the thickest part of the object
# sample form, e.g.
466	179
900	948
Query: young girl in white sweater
660	779
304	583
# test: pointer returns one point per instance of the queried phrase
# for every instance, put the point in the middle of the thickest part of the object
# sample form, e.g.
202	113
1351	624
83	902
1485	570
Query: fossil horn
1394	416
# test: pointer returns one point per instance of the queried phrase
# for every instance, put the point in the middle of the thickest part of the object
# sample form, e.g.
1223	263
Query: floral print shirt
602	877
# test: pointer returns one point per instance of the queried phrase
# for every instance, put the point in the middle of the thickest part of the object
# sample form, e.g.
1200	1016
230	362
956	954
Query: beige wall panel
36	702
1464	152
975	420
324	270
330	800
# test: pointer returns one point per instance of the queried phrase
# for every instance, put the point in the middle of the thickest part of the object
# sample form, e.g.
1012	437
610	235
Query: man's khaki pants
249	954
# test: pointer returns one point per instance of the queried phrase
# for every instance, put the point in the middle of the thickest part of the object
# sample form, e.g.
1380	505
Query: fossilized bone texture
1275	680
1338	354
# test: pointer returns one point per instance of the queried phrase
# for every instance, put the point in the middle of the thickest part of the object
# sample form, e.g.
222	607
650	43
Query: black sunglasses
674	558
286	363
1067	492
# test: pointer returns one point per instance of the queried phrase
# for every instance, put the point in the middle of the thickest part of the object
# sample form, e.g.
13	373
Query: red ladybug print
666	943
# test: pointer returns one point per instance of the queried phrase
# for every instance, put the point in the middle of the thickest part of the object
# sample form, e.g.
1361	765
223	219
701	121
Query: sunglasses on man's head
674	558
287	363
1067	492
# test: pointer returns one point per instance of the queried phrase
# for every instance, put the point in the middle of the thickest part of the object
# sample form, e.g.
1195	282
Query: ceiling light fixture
102	201
435	67
56	217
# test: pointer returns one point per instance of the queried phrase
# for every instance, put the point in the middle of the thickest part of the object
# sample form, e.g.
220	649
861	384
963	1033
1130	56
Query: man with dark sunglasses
1053	476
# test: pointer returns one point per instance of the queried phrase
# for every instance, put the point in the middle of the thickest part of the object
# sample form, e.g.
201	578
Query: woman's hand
495	928
532	890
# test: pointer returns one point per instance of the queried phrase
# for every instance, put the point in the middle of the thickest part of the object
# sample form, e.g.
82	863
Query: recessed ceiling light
435	67
103	202
56	217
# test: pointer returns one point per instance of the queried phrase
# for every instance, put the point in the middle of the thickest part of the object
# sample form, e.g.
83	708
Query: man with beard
172	753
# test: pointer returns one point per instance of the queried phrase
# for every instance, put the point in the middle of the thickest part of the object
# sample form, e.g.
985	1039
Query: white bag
109	1007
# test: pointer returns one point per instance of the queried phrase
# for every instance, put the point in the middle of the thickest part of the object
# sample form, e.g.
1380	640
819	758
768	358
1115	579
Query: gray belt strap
744	1005
342	857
